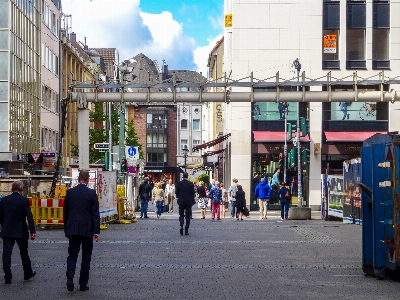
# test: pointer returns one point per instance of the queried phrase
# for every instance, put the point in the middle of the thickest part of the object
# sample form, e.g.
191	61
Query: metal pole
110	162
285	147
297	65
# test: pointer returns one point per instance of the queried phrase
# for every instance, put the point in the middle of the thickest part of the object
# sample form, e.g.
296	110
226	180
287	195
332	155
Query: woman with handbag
240	202
203	199
157	195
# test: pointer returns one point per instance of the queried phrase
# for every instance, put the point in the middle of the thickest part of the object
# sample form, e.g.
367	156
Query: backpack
288	197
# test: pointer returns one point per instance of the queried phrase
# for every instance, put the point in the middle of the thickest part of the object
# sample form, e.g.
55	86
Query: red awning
349	136
273	136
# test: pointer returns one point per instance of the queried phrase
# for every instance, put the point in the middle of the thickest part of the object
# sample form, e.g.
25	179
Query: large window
156	140
330	34
355	34
380	35
269	111
156	158
157	120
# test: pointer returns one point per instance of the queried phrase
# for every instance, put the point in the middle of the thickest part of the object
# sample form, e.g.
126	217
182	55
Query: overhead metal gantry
350	91
142	93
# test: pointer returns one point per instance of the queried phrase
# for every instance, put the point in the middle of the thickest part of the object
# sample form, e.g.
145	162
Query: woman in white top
157	195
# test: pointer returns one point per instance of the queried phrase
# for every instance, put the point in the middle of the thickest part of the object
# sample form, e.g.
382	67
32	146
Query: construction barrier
49	211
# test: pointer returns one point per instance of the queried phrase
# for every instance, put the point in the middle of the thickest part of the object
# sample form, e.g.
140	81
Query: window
157	120
156	140
330	35
196	143
184	125
196	124
156	158
184	144
355	34
380	35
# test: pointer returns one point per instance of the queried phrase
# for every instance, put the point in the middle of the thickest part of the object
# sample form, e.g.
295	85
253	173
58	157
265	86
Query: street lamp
185	154
297	66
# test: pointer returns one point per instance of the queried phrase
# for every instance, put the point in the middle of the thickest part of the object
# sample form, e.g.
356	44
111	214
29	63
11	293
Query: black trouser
8	245
75	242
182	215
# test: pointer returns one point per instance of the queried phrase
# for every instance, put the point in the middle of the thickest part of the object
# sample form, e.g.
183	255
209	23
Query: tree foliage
131	138
205	178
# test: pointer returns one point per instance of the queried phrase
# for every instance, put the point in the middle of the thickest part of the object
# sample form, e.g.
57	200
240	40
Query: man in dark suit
14	210
185	198
82	227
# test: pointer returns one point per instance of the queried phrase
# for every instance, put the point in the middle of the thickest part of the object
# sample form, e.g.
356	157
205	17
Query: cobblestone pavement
253	259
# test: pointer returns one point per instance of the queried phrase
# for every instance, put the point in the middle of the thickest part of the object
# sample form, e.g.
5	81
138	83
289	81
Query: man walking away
263	194
232	194
185	198
144	195
81	227
14	210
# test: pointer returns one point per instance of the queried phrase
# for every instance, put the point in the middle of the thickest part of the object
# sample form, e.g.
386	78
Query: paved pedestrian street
227	259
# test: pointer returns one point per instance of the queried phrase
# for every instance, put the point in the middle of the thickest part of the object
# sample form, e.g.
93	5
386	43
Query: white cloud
121	24
201	54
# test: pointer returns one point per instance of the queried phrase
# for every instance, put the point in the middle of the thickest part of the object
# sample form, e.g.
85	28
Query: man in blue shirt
263	194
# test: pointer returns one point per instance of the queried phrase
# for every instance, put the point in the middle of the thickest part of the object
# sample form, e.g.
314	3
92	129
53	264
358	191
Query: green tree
205	178
131	138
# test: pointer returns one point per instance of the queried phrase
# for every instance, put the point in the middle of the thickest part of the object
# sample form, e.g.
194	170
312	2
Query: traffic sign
131	152
101	146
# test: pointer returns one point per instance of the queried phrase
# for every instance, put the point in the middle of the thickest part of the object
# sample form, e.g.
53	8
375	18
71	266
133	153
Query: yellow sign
330	43
228	21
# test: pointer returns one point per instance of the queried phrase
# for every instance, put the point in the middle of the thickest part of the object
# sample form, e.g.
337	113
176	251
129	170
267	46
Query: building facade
20	76
50	71
335	40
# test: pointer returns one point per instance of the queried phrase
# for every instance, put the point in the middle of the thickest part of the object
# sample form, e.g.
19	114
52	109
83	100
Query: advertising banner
335	195
107	193
351	191
330	43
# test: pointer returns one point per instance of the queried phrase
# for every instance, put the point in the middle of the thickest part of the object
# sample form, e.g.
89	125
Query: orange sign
330	43
228	21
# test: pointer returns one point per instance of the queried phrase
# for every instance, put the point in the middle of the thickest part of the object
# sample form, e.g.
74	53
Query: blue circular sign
131	151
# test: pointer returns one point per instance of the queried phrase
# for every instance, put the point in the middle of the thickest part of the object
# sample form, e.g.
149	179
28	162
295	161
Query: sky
181	32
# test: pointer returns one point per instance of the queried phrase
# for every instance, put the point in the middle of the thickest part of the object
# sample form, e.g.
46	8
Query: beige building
50	54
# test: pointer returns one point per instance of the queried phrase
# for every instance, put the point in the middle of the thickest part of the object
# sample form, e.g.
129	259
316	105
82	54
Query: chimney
85	47
72	37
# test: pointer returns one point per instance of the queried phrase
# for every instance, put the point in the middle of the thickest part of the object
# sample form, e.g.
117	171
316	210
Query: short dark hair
239	187
83	175
17	186
185	175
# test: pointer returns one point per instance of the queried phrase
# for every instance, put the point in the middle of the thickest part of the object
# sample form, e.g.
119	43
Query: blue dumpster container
381	205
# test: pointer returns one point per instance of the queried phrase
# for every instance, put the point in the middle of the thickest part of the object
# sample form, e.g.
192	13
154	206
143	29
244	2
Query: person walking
343	108
185	198
81	227
275	185
144	195
216	198
203	199
284	200
170	195
14	211
225	201
240	202
263	195
232	194
157	194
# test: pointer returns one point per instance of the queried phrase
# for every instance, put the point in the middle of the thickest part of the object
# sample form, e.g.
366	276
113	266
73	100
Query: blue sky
181	32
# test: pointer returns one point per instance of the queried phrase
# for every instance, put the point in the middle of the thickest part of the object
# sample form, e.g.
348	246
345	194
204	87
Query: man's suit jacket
14	210
81	212
185	192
